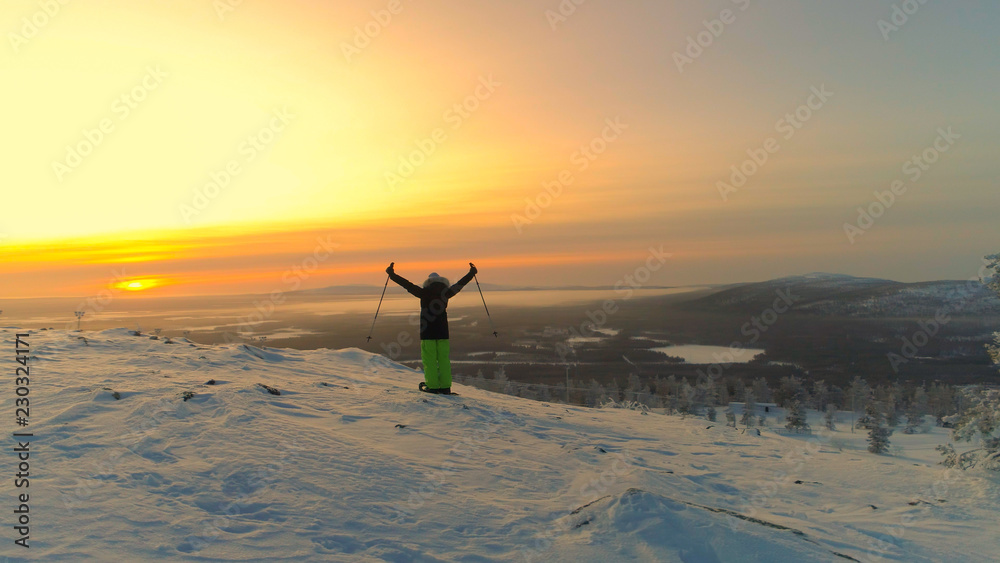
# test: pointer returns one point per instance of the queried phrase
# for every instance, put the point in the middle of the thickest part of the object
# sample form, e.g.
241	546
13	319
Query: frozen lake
698	354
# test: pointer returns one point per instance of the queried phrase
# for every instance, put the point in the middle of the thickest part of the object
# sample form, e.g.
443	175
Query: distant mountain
364	289
817	293
360	289
838	294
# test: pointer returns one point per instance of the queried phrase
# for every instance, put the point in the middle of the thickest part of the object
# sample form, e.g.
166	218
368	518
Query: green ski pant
437	364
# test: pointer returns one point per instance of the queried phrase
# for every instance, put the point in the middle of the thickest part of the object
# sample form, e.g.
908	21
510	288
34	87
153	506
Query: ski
423	387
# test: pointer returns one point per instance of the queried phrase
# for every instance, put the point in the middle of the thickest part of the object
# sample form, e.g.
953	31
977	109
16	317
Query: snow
351	463
607	331
584	339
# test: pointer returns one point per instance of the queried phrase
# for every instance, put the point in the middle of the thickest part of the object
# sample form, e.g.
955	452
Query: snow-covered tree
941	400
699	398
707	391
820	395
837	397
749	408
789	391
723	397
710	413
829	418
888	397
878	434
980	420
950	456
684	405
980	414
730	418
595	393
480	381
914	418
670	404
614	392
871	418
919	400
500	381
761	391
858	394
796	418
992	282
891	416
671	386
653	401
634	388
878	439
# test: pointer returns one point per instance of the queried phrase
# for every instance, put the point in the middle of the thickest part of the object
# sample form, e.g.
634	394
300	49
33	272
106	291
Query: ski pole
372	331
471	265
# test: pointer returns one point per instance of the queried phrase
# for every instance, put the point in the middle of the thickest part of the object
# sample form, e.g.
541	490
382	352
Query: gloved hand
472	269
389	270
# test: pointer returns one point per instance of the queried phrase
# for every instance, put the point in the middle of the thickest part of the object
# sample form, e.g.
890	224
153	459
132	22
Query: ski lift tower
79	318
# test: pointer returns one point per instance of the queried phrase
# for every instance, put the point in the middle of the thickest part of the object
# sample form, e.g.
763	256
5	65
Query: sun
138	285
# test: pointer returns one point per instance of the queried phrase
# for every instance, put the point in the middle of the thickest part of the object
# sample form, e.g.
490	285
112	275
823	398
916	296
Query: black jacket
433	304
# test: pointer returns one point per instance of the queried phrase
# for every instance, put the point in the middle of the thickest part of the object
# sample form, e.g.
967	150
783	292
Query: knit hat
435	278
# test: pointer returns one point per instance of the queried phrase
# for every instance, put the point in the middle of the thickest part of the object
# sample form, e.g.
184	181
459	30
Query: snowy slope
351	463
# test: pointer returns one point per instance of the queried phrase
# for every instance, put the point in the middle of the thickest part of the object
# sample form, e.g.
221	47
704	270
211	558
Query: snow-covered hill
841	295
351	463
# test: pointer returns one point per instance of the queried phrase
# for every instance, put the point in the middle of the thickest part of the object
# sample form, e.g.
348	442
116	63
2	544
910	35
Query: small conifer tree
796	418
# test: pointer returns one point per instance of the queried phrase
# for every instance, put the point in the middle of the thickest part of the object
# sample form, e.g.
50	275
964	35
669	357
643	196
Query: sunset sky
422	139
